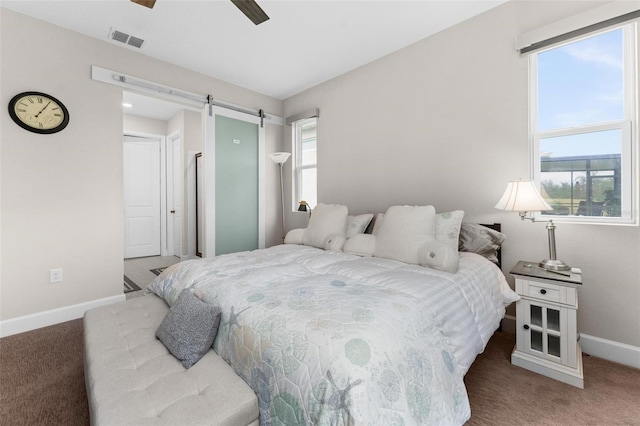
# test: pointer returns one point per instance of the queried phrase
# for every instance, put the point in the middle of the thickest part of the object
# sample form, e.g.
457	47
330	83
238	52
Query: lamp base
554	265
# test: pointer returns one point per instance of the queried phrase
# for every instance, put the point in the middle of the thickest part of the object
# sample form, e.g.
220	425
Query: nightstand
546	326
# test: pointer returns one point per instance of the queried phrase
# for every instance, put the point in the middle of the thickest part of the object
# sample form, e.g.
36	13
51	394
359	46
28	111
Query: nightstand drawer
543	291
546	291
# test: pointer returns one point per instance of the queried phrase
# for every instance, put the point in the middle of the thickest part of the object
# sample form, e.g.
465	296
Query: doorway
166	123
153	195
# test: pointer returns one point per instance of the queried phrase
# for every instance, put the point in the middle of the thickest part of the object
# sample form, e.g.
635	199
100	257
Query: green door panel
236	185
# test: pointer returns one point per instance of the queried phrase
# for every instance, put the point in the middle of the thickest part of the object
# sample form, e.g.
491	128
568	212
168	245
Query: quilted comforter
329	338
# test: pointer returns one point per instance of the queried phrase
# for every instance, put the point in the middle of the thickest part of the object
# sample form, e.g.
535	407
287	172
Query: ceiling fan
249	7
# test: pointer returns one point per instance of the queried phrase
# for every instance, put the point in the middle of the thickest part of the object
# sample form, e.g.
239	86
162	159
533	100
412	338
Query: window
583	124
305	170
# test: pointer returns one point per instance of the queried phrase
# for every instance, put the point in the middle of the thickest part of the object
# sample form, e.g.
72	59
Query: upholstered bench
132	379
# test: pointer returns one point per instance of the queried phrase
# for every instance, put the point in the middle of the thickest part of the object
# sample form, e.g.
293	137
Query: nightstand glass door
544	325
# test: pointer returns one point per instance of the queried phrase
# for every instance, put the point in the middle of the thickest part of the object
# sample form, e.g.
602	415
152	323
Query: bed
328	337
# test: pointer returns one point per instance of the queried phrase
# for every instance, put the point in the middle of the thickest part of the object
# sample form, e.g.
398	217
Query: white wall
445	122
62	193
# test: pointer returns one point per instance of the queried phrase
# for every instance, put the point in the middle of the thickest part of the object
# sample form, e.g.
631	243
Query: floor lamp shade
280	157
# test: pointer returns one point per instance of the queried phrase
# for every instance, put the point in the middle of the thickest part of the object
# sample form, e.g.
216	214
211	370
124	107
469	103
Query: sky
581	83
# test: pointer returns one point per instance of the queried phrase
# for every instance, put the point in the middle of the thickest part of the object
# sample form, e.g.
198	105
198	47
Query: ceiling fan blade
145	3
251	9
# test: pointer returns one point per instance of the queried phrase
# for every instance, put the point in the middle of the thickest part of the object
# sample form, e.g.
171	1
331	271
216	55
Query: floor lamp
280	158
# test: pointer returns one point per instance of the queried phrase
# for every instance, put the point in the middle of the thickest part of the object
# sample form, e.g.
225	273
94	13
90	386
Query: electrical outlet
55	275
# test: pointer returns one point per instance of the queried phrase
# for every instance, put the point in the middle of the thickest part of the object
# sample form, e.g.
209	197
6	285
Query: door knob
173	211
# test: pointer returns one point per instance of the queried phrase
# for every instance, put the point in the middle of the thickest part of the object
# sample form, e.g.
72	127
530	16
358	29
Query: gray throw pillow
189	328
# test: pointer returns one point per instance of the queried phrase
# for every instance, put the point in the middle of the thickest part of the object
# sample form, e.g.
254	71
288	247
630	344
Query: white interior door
141	197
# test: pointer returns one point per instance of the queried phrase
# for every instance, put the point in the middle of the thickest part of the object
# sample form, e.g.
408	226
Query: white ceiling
147	106
303	44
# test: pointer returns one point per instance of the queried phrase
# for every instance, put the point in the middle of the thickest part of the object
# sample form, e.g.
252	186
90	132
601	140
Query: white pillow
448	227
294	236
439	255
479	239
377	223
334	242
325	219
360	245
358	224
404	230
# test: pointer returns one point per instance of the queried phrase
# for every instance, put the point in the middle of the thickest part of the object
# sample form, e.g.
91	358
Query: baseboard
594	346
54	316
610	350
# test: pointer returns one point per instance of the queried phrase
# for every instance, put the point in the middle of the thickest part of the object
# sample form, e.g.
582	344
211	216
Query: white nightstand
546	326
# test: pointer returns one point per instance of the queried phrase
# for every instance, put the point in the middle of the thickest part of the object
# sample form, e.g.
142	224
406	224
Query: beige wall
445	122
62	193
135	123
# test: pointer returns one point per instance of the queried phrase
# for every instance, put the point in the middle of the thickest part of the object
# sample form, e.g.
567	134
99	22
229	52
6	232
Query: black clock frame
14	117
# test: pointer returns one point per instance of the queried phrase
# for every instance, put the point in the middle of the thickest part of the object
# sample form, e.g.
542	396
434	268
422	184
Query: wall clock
38	112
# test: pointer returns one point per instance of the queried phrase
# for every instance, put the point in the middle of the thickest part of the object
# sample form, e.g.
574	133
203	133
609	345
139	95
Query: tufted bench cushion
132	379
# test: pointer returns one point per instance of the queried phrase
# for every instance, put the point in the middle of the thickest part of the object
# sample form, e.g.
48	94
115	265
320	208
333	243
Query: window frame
298	167
627	125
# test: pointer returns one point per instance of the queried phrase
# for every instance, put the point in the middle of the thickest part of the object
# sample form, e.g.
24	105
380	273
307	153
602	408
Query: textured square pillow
358	224
403	231
326	219
448	227
189	328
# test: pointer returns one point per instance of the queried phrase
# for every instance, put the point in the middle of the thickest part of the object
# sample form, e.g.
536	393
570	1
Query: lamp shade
280	157
522	196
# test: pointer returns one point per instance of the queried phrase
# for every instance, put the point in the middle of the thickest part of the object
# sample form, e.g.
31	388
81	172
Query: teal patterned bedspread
328	338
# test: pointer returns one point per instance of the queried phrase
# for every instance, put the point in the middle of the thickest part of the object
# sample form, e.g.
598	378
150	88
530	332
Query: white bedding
325	337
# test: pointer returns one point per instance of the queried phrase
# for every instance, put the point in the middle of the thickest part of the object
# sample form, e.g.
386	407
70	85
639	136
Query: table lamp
523	197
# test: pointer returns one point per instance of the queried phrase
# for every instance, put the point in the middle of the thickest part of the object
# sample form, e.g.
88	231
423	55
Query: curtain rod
581	31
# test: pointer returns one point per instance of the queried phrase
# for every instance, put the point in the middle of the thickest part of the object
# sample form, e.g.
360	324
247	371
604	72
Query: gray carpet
42	383
42	377
503	394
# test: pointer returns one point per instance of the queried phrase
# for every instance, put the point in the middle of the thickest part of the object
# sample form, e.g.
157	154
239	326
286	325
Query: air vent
135	42
125	38
120	36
